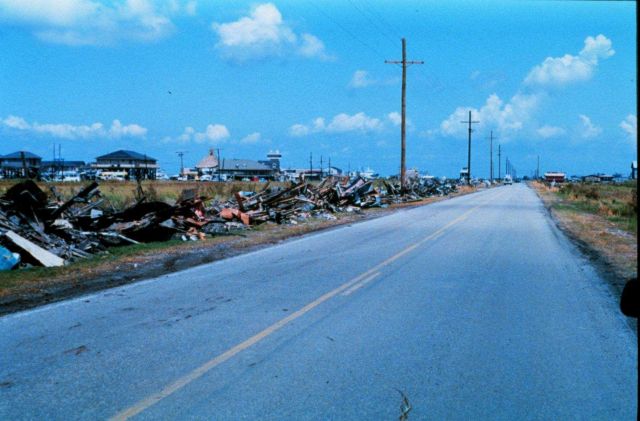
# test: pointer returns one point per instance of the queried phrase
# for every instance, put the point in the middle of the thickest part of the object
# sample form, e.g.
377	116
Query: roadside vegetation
602	217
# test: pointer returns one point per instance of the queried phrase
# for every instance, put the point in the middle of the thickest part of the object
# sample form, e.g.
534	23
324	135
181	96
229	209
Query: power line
372	10
348	32
380	28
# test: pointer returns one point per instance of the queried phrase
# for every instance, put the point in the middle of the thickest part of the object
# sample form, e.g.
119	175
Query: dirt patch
31	288
612	250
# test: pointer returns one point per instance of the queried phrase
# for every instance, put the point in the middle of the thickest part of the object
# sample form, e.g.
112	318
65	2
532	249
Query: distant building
597	178
21	164
238	169
135	165
634	170
335	171
60	167
558	177
464	173
208	164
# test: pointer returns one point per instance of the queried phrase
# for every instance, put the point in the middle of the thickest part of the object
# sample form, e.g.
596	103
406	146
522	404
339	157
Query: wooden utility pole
181	154
499	163
470	122
404	63
310	164
538	168
491	156
219	163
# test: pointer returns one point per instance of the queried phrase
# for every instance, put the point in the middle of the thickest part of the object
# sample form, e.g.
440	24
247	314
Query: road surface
474	307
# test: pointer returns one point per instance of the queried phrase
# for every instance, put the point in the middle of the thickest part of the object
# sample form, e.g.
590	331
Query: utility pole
404	63
310	164
499	163
181	154
219	163
538	168
329	169
321	167
470	122
491	156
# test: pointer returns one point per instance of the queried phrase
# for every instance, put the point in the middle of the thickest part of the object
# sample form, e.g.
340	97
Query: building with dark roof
237	169
135	165
20	164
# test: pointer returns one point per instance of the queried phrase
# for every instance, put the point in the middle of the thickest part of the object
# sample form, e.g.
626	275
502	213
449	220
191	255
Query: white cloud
70	131
341	123
262	34
588	129
251	138
299	130
90	22
547	132
507	118
361	79
570	68
214	133
630	126
395	118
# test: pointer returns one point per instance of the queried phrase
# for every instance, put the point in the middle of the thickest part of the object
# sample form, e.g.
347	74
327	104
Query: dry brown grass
590	214
121	194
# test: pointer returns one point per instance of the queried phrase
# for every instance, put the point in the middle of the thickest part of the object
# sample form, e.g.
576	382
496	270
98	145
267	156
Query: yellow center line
201	370
361	284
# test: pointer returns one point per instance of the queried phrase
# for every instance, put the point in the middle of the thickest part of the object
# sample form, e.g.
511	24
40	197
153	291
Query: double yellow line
346	288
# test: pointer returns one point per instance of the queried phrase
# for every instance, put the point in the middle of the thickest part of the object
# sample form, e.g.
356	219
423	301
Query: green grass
615	202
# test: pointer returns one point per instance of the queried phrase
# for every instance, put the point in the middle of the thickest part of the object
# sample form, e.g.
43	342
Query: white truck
507	180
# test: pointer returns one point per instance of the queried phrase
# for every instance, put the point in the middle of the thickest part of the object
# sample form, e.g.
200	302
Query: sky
552	79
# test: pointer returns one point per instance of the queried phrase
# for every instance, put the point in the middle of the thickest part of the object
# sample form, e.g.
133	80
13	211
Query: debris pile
40	231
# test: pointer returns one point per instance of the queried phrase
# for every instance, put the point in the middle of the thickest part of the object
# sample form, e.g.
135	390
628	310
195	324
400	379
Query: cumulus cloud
341	123
547	132
213	134
630	126
69	131
361	79
264	33
587	128
506	117
251	139
570	68
90	22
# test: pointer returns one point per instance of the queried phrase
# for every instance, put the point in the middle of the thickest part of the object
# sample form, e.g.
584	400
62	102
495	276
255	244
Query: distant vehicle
507	180
71	178
206	177
113	175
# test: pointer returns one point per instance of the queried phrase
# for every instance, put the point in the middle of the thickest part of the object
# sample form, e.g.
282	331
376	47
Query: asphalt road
474	307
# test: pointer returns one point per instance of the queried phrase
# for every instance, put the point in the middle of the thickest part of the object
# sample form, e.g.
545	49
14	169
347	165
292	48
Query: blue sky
555	79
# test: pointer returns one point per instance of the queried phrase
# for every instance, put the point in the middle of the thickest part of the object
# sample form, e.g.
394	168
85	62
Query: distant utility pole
538	168
491	156
321	166
310	164
499	163
219	163
404	63
329	168
181	154
470	122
